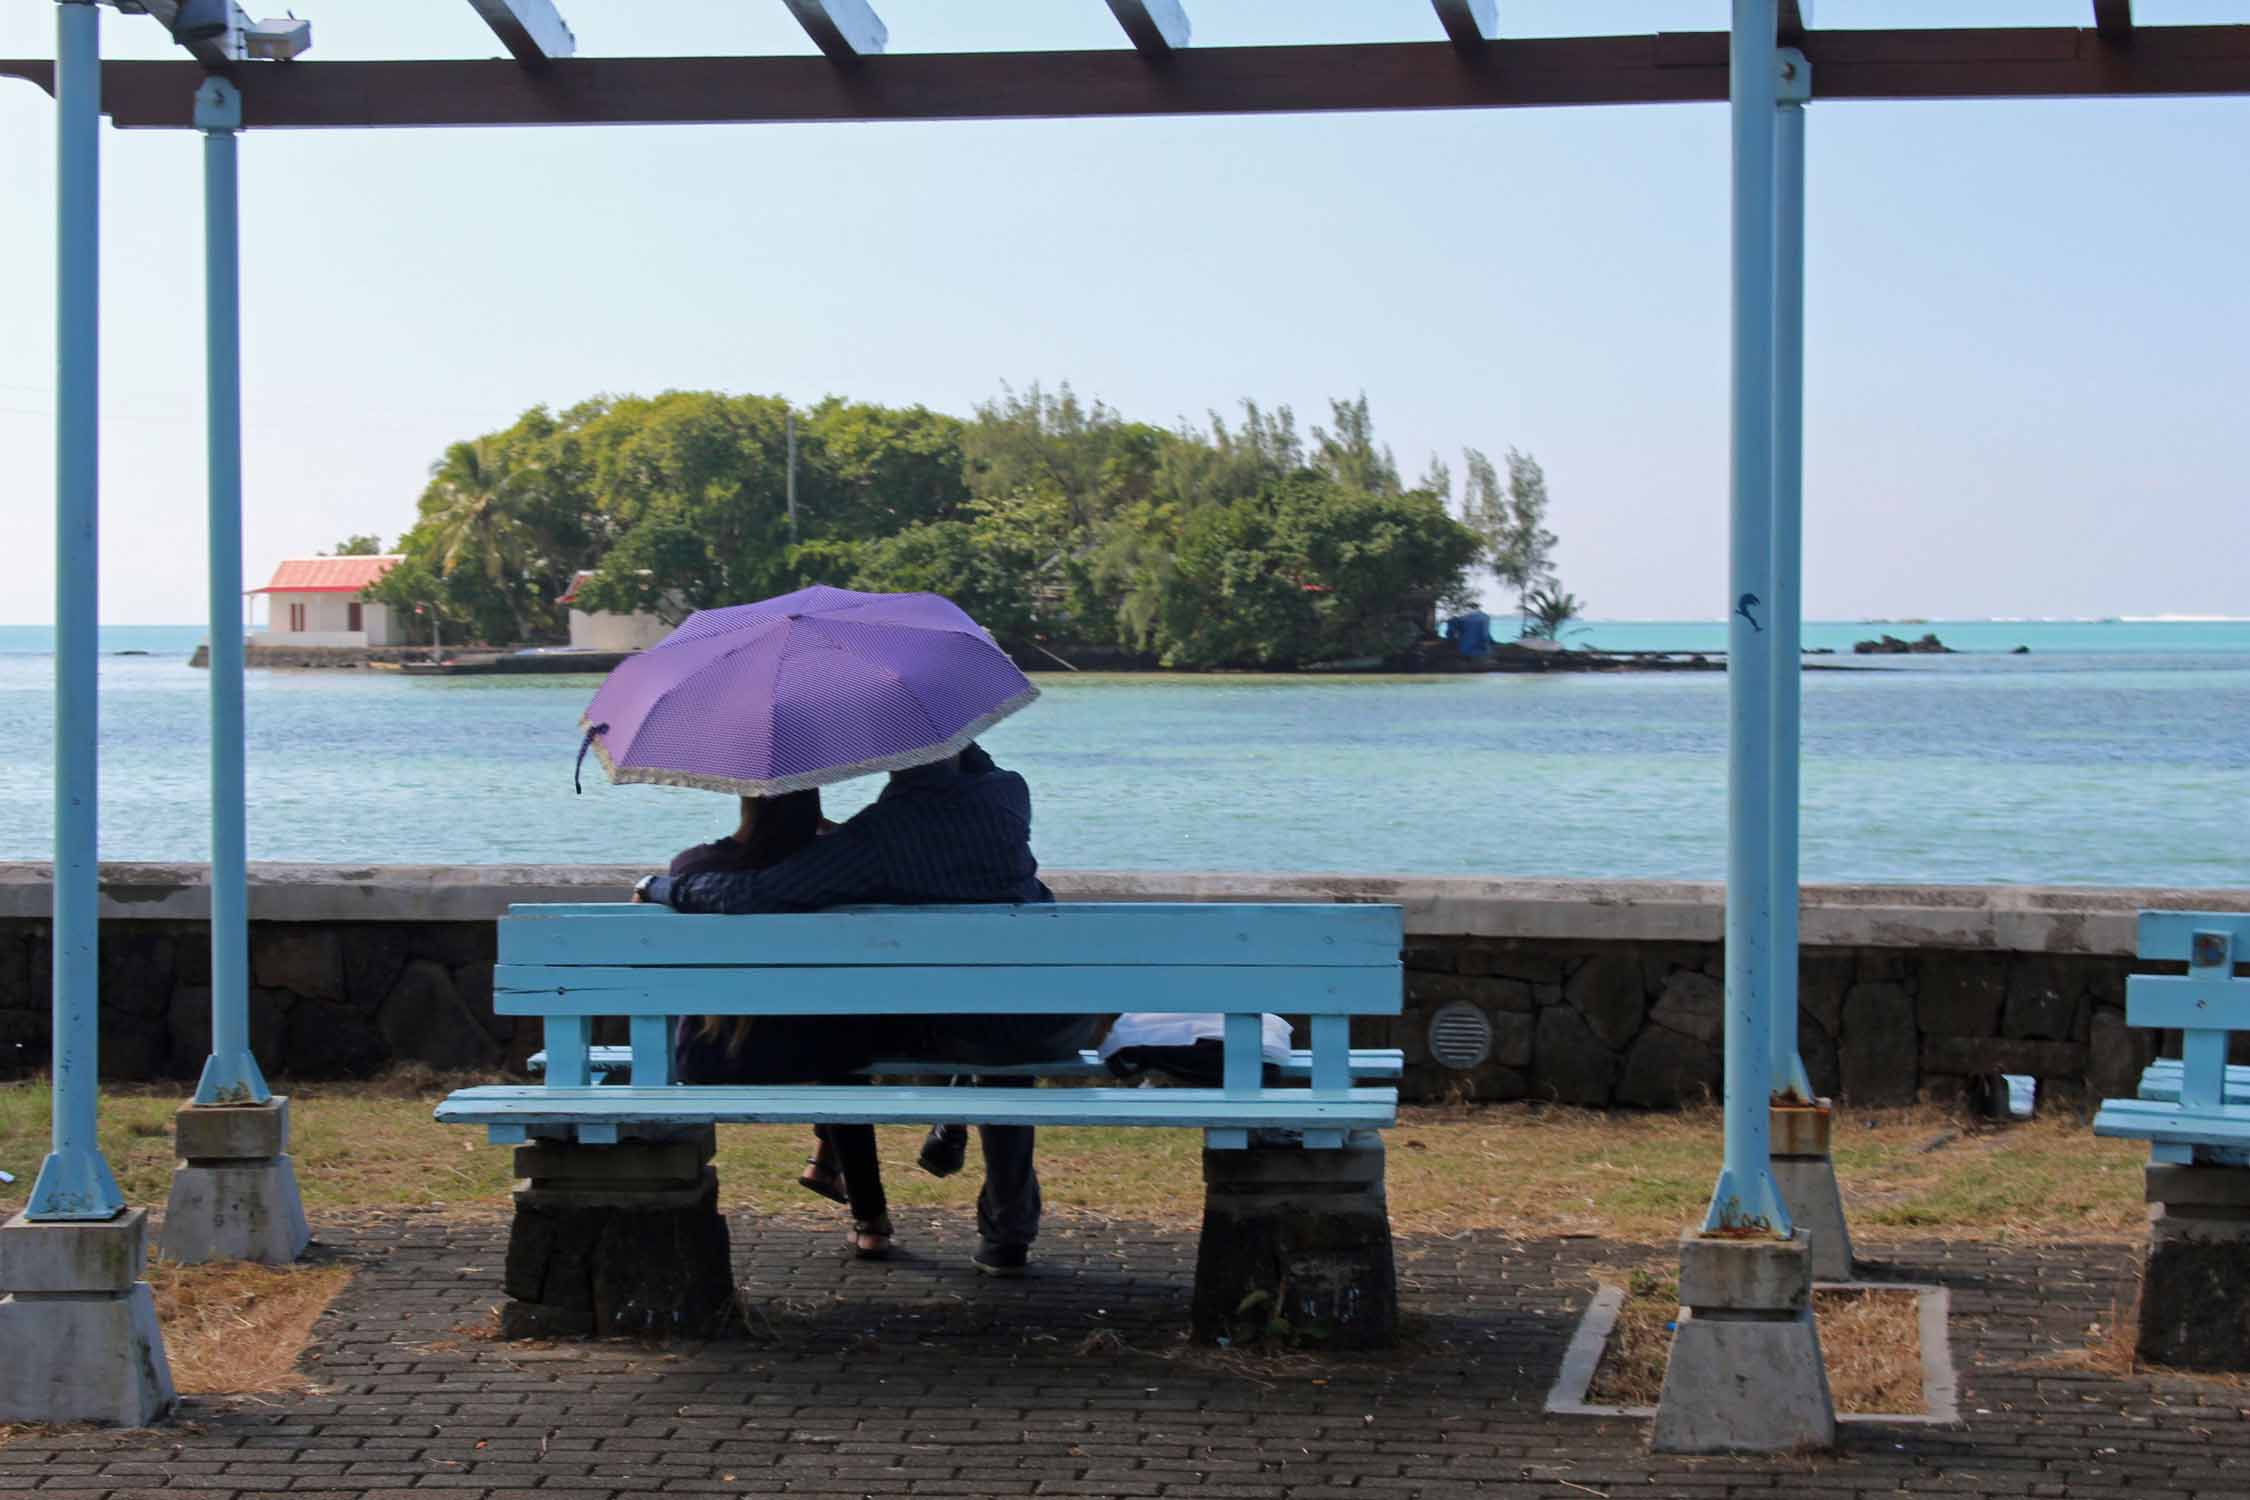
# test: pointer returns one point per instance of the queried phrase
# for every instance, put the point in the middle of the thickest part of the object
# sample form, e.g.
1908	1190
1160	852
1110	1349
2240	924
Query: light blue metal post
1746	1196
1787	605
74	1182
230	1074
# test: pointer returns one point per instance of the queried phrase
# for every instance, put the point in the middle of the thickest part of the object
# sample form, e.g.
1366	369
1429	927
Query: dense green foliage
1057	523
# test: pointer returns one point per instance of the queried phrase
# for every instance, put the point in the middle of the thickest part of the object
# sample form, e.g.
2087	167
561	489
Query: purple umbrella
799	691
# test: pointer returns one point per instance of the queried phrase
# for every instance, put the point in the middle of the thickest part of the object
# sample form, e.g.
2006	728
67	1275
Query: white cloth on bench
1184	1029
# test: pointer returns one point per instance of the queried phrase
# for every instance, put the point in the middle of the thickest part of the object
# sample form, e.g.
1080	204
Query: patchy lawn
1531	1170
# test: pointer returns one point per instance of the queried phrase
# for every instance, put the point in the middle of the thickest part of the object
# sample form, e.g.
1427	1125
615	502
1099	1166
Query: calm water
2115	753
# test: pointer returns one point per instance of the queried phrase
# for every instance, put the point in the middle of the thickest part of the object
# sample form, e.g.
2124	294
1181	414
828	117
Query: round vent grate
1460	1035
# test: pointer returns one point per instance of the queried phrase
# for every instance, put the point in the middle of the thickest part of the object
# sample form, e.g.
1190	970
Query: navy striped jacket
937	835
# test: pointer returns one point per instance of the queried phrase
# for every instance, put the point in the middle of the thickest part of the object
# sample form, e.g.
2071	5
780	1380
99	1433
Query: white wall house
606	631
314	601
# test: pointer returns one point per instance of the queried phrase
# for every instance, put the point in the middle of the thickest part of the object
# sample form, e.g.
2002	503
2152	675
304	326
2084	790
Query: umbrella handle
576	772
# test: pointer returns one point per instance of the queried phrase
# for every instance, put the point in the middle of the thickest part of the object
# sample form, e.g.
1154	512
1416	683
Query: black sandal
819	1177
864	1230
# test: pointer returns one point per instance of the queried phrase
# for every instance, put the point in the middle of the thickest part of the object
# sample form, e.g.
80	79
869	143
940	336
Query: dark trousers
1008	1205
795	1049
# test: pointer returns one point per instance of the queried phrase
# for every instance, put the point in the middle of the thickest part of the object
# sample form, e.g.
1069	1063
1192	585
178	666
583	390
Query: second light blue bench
2195	1108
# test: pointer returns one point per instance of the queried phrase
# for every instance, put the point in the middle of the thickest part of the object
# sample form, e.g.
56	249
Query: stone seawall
1591	993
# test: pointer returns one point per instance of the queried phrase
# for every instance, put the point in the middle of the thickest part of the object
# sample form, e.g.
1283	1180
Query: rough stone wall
327	1000
1642	1023
1631	1023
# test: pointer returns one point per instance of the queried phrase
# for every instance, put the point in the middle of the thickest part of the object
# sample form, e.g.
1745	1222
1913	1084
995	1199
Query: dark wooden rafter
1987	63
1157	27
212	54
1469	24
847	30
1796	20
2113	19
531	30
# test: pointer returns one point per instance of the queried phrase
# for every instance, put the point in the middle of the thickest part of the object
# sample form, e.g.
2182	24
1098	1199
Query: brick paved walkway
917	1378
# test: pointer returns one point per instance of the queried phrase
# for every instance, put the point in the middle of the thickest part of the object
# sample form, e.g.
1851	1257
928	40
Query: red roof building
314	601
328	575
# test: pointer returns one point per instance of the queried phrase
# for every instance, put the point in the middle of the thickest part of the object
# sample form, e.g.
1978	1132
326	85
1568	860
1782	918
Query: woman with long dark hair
789	1049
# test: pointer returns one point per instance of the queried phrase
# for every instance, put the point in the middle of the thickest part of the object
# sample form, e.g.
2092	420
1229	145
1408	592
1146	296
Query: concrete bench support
2195	1293
619	1240
78	1325
1806	1174
1311	1232
1745	1374
234	1193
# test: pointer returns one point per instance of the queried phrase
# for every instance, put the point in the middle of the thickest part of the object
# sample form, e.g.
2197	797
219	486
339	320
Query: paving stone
917	1377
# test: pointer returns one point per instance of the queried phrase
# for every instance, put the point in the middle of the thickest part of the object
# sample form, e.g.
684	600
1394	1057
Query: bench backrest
2205	1005
570	963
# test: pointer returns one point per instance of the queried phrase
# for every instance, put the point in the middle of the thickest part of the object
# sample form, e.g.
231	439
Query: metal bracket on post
1795	85
218	105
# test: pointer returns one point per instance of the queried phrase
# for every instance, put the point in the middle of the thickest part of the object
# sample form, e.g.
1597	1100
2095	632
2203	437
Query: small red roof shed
328	575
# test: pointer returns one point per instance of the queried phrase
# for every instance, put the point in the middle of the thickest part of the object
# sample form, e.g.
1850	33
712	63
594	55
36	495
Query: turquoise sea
2112	753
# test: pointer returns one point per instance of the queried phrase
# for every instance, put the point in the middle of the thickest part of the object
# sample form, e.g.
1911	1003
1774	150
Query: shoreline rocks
1891	645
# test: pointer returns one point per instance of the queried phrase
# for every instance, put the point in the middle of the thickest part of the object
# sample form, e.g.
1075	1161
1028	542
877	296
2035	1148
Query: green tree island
1063	527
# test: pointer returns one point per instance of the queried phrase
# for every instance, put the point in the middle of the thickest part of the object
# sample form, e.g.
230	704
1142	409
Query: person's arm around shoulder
838	869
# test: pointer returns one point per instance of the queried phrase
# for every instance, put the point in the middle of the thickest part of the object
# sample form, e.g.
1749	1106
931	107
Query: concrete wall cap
2024	919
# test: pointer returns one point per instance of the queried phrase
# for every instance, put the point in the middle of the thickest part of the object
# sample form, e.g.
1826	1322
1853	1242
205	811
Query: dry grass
230	1329
1631	1372
1523	1169
1870	1341
1872	1344
238	1329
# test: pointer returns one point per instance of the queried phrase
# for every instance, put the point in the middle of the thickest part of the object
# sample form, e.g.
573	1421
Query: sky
2028	323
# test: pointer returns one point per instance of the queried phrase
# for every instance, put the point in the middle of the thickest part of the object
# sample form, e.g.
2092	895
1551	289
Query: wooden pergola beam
210	52
1796	20
531	30
1157	27
1993	63
847	30
2113	19
1469	24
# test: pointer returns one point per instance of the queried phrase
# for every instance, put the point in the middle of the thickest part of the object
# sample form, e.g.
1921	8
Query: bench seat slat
1099	934
2169	1124
536	1105
539	990
2160	1081
1367	1063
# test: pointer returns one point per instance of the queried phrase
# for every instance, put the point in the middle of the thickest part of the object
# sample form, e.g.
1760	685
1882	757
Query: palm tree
477	518
1548	611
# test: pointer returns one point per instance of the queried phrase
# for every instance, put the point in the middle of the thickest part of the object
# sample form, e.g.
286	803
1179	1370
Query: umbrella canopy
802	690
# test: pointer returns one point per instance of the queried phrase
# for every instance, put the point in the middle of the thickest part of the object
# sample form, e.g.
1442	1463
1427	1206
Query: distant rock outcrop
1891	645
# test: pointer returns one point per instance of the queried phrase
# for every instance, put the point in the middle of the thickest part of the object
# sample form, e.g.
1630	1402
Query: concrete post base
79	1325
234	1195
1806	1174
1745	1375
620	1240
1297	1244
2195	1290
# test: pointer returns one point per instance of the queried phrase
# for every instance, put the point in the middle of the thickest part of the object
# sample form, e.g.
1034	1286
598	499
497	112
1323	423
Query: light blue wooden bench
570	964
2194	1109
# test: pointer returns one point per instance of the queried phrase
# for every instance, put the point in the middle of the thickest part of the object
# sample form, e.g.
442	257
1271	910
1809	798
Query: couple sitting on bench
956	832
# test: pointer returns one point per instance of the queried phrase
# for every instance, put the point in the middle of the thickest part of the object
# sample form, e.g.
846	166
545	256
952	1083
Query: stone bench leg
619	1240
2195	1293
1311	1230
